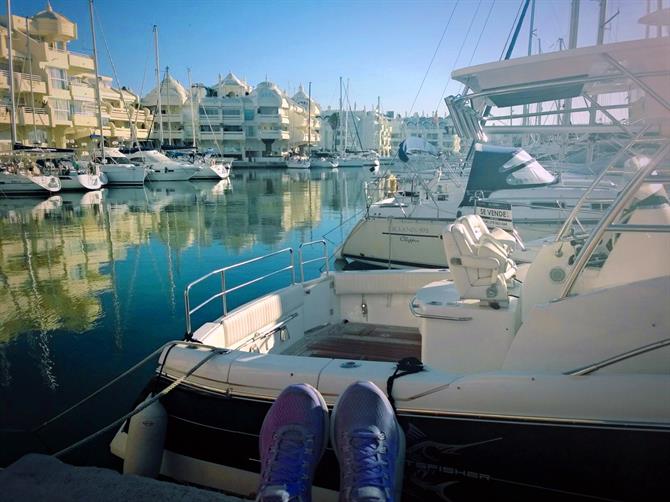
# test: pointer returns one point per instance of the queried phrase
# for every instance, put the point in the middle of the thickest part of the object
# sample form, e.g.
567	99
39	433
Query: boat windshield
531	174
117	159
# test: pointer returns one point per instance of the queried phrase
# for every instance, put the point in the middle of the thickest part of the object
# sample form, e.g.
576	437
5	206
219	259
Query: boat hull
214	436
170	174
215	172
124	175
18	184
72	182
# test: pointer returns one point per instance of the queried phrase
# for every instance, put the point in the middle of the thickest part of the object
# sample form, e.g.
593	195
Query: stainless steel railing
225	291
303	262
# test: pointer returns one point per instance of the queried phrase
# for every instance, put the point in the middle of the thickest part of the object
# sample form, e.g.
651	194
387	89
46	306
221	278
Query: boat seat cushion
261	313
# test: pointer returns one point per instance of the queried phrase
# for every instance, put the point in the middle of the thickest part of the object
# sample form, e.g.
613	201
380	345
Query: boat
21	176
538	381
298	162
403	229
119	170
212	166
162	168
324	159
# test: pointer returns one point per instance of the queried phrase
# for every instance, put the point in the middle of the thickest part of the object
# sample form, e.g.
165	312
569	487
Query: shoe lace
369	466
287	463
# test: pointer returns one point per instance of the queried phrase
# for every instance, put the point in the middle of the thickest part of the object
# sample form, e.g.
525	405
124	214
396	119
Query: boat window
532	174
520	157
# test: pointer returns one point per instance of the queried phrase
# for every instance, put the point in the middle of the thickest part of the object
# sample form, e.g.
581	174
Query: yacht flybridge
536	380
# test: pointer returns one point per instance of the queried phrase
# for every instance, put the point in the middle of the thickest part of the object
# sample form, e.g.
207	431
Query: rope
143	406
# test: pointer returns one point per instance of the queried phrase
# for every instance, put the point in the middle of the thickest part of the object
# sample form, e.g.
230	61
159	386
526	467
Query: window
248	115
209	111
61	108
532	174
83	108
231	112
58	78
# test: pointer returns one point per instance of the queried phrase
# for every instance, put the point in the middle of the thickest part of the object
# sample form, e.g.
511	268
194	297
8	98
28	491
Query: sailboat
19	174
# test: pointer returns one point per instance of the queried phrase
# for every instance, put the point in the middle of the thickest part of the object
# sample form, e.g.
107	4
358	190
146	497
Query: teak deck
360	341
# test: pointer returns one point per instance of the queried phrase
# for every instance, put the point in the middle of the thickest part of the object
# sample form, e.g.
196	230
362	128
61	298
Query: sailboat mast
159	108
167	79
309	119
346	117
190	86
97	81
30	69
11	73
339	119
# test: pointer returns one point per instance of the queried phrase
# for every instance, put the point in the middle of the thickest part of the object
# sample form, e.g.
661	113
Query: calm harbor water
90	284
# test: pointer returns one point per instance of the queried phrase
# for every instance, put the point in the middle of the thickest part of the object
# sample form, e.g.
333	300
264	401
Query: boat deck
358	341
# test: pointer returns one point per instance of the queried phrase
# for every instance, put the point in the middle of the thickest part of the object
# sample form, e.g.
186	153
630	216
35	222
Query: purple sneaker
292	440
369	444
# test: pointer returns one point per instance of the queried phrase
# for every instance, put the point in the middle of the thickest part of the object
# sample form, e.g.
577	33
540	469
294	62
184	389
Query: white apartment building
235	118
438	131
363	130
54	88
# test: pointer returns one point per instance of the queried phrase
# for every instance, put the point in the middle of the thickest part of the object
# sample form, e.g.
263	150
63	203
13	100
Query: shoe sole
400	461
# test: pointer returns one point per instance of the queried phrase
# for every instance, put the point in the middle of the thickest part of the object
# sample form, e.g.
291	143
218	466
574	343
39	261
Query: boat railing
646	174
304	262
225	290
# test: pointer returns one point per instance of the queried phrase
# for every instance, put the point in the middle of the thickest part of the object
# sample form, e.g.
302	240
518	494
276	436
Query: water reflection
109	267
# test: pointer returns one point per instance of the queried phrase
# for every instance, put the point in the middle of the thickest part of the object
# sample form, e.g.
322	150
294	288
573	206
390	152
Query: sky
383	48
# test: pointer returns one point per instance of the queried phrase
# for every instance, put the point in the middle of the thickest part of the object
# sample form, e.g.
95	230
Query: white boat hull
20	184
124	174
171	174
80	182
212	172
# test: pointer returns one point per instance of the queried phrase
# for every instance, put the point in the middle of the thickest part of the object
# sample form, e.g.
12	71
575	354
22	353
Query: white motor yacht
119	169
212	168
510	382
75	175
161	168
404	228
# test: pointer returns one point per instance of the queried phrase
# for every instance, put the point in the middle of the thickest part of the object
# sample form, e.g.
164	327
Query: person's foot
292	440
369	444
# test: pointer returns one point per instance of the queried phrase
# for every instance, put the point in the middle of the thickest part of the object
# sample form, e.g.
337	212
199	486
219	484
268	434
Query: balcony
120	132
171	117
233	120
108	93
26	116
57	58
82	61
23	82
211	135
262	118
82	91
119	114
272	134
84	120
5	115
234	135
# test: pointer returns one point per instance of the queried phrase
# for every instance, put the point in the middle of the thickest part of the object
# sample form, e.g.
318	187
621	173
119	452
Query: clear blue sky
383	47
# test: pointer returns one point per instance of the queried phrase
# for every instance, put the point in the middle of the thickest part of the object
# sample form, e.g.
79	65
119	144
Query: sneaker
369	444
292	440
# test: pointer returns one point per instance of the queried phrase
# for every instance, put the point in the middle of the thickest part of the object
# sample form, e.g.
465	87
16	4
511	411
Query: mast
309	119
11	74
190	86
602	15
97	81
346	118
167	79
572	44
159	108
339	119
30	69
531	32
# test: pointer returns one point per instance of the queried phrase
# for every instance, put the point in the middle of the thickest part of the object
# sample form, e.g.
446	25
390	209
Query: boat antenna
97	82
11	75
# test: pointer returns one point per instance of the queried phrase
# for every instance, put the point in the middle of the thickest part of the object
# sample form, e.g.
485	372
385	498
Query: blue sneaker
369	444
292	440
